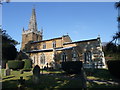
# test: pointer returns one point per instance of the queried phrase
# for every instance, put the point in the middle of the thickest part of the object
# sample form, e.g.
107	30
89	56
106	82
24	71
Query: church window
42	59
87	57
54	44
64	57
74	55
33	61
44	45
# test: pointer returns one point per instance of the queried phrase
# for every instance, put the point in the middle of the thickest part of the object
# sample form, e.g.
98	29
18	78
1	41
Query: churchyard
98	78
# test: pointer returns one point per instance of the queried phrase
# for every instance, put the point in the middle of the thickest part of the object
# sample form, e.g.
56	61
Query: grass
101	78
97	78
47	81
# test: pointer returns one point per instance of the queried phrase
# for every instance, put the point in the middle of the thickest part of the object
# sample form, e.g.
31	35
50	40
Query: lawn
53	80
101	78
98	78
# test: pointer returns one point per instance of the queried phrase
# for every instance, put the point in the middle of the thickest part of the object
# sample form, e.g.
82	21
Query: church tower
32	34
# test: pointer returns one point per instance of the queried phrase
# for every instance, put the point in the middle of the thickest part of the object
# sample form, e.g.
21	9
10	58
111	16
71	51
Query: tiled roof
66	48
42	50
80	41
48	50
49	39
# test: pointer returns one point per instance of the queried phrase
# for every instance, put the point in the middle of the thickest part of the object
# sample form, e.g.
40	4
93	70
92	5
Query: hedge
72	67
114	67
15	65
27	65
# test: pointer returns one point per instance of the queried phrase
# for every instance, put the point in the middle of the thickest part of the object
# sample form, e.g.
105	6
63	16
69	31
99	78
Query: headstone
21	83
21	71
36	74
7	72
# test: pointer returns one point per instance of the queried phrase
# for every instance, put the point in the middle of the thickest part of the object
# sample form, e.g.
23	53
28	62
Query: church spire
33	24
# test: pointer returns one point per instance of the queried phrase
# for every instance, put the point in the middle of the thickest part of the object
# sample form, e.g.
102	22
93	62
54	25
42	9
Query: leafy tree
9	52
116	37
110	47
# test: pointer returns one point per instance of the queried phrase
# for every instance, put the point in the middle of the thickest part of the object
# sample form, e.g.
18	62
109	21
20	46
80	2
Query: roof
42	50
48	50
49	39
80	41
66	48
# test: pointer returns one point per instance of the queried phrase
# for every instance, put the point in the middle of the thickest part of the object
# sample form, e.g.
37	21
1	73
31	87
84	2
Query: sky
80	20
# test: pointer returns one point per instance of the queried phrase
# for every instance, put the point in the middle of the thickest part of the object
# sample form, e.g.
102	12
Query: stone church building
52	52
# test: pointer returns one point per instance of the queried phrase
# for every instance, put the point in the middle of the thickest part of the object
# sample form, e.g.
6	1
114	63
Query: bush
113	67
27	65
72	67
15	65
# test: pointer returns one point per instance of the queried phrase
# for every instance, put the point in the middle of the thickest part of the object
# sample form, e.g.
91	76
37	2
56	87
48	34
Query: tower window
54	44
26	35
44	45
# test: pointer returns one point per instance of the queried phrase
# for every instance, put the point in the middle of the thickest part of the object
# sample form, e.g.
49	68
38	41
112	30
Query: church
52	52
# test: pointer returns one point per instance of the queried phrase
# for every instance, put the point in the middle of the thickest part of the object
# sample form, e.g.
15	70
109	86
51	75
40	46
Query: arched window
44	45
87	57
42	59
64	57
33	59
54	44
74	55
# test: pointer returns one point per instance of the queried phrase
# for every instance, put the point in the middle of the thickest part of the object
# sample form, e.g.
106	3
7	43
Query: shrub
113	66
15	65
72	67
27	65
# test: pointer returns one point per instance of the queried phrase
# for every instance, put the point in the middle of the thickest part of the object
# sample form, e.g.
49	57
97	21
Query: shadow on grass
103	74
8	77
47	81
101	78
97	85
55	81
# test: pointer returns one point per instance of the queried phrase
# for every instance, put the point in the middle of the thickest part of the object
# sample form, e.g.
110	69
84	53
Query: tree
9	52
116	37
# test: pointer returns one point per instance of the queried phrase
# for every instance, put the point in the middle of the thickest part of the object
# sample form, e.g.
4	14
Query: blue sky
81	20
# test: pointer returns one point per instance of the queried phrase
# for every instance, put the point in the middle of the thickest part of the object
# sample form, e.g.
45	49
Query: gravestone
36	74
7	72
21	71
21	83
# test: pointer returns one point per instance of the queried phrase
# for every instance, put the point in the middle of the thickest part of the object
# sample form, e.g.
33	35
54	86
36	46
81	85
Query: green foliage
113	67
112	50
9	52
27	65
21	55
15	65
117	4
72	66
